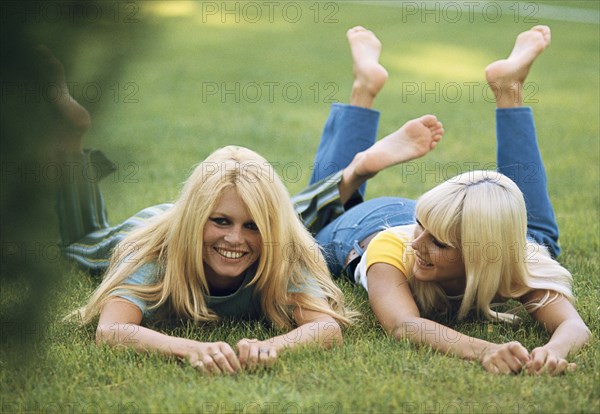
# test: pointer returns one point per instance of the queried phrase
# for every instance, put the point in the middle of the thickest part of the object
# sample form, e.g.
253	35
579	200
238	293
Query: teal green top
242	304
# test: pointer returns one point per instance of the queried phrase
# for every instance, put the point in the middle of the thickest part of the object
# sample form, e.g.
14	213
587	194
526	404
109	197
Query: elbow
405	329
400	326
587	333
578	329
104	335
332	335
114	333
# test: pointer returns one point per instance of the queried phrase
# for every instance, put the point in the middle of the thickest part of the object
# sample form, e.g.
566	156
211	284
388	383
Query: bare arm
119	325
569	334
396	310
314	328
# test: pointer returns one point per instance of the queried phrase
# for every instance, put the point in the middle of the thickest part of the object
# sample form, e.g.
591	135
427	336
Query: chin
423	275
232	272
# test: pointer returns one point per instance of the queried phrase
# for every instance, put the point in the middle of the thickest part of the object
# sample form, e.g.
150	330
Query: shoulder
540	264
306	283
389	247
392	239
146	274
398	232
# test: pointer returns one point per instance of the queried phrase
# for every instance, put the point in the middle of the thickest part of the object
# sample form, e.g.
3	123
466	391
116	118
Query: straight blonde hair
483	214
174	240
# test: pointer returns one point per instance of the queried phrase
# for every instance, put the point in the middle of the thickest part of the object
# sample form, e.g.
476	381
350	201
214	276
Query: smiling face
232	243
437	262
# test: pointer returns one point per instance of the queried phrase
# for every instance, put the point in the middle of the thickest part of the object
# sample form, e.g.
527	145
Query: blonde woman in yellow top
478	238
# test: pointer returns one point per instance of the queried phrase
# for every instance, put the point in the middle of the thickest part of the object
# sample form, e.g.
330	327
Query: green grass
169	54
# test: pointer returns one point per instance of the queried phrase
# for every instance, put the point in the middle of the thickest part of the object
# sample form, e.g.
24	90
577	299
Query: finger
544	365
222	362
491	368
485	363
513	357
514	364
210	365
232	358
530	370
519	352
503	368
551	365
266	356
571	366
561	366
197	364
538	361
272	357
252	357
243	350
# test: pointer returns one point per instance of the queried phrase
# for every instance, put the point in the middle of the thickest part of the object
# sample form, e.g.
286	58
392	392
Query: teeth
423	262
230	254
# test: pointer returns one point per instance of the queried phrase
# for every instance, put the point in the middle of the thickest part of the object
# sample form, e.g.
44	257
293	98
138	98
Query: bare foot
71	120
369	75
506	76
413	140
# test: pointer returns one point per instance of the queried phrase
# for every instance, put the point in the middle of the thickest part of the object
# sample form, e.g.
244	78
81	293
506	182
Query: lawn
169	82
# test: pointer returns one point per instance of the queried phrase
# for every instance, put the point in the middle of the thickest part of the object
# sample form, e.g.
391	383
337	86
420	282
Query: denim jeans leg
347	131
519	158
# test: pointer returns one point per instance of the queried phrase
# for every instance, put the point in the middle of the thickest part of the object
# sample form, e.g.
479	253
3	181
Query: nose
418	242
234	236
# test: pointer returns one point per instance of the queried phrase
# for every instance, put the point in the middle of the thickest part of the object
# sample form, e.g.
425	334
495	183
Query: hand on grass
508	358
214	358
253	353
546	361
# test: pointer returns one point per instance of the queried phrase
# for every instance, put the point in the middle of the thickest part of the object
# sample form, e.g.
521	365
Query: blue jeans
518	157
347	131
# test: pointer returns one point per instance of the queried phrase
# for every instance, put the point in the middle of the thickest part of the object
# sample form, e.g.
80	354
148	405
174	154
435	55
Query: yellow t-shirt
389	246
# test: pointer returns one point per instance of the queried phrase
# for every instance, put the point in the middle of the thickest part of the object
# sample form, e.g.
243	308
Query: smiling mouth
230	254
423	263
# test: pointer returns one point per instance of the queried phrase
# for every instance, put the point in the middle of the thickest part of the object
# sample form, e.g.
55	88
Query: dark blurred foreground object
30	260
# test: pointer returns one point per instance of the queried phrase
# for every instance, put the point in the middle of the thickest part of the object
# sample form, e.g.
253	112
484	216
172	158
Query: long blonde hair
174	240
483	214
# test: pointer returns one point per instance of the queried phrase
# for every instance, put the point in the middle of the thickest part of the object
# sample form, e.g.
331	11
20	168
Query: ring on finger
263	351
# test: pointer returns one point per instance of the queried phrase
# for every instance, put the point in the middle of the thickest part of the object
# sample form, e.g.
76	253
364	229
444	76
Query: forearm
322	333
569	337
421	331
142	339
